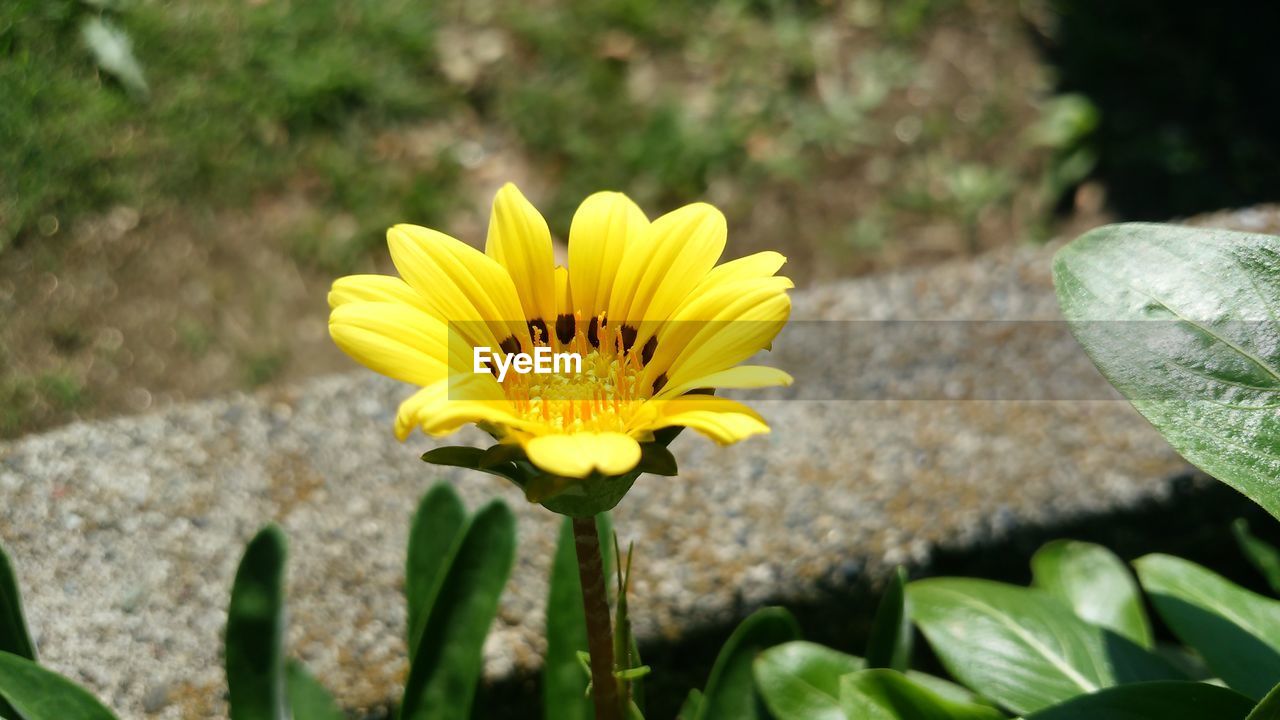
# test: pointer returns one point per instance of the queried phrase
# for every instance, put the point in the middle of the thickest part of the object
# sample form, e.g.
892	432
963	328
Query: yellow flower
642	304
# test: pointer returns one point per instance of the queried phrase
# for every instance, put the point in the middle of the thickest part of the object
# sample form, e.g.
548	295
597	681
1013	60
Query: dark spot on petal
538	331
565	328
510	346
628	334
593	332
646	354
659	383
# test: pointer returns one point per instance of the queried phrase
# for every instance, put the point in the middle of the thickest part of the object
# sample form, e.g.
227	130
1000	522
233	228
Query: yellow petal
719	329
469	289
375	288
740	377
397	340
605	224
520	241
759	265
444	407
724	421
657	274
578	454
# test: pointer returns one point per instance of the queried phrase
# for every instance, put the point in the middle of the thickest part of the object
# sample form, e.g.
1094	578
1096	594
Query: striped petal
658	273
397	340
741	377
724	421
375	288
578	454
520	241
604	226
466	287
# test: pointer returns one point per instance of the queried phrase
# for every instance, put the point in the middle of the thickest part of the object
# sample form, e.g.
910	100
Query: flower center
604	396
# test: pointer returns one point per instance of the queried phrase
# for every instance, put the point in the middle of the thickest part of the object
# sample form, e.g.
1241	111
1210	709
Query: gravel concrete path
126	533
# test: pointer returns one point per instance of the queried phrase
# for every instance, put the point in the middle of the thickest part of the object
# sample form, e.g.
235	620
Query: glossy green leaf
39	694
1154	700
435	534
1096	584
730	690
14	637
891	632
1185	323
1236	631
564	684
1269	708
447	665
308	699
255	632
801	680
890	695
1022	647
1263	555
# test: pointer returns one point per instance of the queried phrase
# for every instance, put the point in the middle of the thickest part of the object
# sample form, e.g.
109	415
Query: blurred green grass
247	97
243	98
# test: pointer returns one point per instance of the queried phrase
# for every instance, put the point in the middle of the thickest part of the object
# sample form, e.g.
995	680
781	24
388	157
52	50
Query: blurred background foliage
179	180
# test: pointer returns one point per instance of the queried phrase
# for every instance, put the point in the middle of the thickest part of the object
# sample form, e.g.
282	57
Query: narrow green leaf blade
801	680
889	695
563	683
1094	583
14	637
255	631
1236	631
39	694
1263	555
1269	708
1022	647
436	532
890	642
308	699
446	668
455	456
1184	323
690	708
730	690
1163	700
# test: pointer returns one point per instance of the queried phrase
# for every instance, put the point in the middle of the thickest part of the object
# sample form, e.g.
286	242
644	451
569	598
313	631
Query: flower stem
595	603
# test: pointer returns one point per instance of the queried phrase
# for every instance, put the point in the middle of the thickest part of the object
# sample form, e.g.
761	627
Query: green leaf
1236	631
890	695
38	694
1269	708
1263	555
437	530
308	699
656	459
564	684
801	680
1096	584
730	692
1184	322
691	707
890	642
581	498
1022	647
255	631
447	665
14	637
1163	700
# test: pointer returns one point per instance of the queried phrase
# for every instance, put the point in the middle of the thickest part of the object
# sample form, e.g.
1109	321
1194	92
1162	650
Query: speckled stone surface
126	533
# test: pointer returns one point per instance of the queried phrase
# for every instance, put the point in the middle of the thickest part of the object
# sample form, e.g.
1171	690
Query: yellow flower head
642	305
